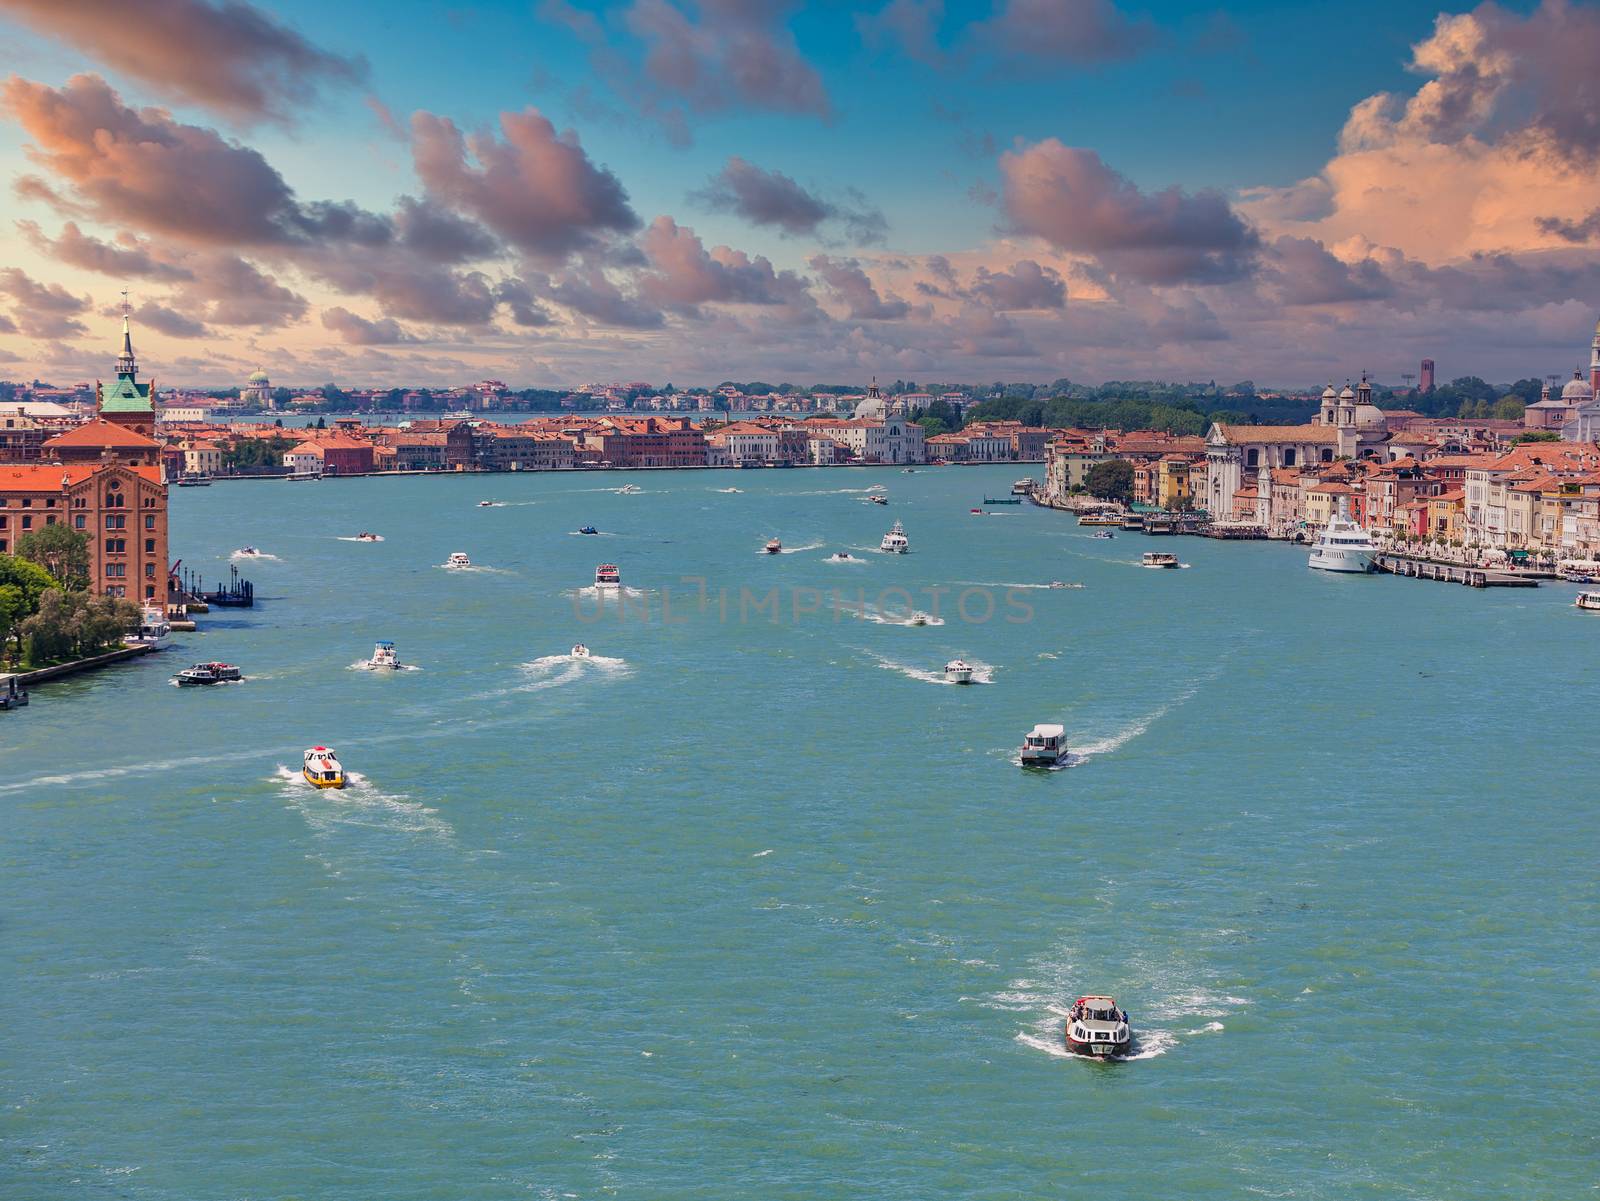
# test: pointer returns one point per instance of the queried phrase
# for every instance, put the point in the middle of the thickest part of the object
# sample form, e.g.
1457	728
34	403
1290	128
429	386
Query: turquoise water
762	909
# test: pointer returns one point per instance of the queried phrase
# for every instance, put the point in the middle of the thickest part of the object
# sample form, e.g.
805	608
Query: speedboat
1062	584
487	504
154	629
1344	546
1589	601
918	618
958	671
1158	558
247	552
1103	534
627	489
895	541
908	471
587	529
322	768
841	556
1045	746
209	673
365	536
878	499
773	546
580	651
457	560
384	658
1097	1027
607	576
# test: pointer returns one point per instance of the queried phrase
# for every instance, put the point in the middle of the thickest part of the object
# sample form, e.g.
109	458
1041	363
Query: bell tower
127	402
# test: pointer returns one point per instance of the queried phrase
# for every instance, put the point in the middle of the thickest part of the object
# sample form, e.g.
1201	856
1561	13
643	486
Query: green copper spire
127	394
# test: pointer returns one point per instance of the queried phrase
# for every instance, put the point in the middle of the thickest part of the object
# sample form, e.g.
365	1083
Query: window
149	591
50	519
78	522
27	521
3	520
150	521
1288	457
1252	457
1327	455
149	571
27	502
116	570
149	546
116	546
115	521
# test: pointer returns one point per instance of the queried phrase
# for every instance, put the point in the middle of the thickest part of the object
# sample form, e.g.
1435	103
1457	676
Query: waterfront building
201	456
644	442
121	509
331	453
258	391
892	439
22	438
1236	455
744	442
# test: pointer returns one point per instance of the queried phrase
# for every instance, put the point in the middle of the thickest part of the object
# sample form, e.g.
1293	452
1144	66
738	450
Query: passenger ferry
1344	546
384	658
895	541
1589	601
209	673
1099	517
322	768
1097	1027
1158	558
773	546
958	671
154	629
1045	746
457	560
607	576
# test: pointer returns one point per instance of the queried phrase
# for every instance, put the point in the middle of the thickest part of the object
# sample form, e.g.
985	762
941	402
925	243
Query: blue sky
1183	188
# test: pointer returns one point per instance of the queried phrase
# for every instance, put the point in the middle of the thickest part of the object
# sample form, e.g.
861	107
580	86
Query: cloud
1025	285
587	291
850	285
685	275
1305	273
518	298
440	235
1586	229
128	259
1078	32
910	25
536	189
228	290
228	56
42	310
1067	196
153	315
359	331
774	199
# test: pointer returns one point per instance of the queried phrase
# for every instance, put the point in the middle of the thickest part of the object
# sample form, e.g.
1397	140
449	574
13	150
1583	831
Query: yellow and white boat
322	768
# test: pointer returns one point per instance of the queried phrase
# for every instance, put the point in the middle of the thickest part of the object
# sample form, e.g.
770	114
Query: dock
1451	573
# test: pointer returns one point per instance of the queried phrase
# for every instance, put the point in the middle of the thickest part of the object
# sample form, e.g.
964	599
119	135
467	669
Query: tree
76	625
60	550
1111	480
1509	408
1537	436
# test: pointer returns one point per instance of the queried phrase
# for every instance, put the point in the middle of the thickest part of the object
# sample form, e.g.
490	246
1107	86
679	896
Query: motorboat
1158	558
1097	1027
627	489
367	536
976	512
1344	546
202	674
12	694
958	671
895	541
384	658
918	618
322	768
878	498
607	576
580	651
908	471
154	628
1045	746
1589	601
1103	534
488	504
247	552
841	556
457	561
1063	584
587	529
773	546
1022	487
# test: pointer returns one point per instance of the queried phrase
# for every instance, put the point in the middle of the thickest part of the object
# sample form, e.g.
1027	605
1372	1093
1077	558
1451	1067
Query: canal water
752	904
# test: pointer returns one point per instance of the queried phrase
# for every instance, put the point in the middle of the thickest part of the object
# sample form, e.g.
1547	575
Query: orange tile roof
47	477
101	432
1279	433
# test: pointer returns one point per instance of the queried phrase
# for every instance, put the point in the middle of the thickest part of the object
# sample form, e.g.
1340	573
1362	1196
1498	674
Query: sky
554	192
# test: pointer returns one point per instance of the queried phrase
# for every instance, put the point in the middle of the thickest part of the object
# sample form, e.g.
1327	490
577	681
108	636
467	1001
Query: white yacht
1344	546
958	671
457	561
154	629
384	658
918	618
895	541
1045	746
1589	601
1097	1027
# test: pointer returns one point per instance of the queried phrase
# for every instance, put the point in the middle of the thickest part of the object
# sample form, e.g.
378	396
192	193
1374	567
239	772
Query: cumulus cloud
1066	31
164	320
588	292
227	56
1304	273
537	189
911	25
1067	196
42	310
773	199
1024	285
850	286
1585	229
685	275
359	331
228	290
128	258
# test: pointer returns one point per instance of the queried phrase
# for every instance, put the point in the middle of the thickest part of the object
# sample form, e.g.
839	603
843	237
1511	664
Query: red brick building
121	509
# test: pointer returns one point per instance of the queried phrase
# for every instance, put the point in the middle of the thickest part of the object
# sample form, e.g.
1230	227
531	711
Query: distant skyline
550	192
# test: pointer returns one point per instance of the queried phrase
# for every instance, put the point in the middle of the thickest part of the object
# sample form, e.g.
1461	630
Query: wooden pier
1451	573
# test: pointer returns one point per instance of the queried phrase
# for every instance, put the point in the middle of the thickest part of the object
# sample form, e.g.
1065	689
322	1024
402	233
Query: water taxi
908	471
895	541
580	651
368	536
918	618
1158	558
773	546
1097	1027
607	576
322	768
958	671
457	561
384	658
488	504
1045	746
1344	546
154	629
12	694
587	529
1589	601
1102	534
208	673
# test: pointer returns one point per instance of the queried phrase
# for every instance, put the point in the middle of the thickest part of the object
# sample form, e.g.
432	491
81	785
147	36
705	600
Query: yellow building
1172	483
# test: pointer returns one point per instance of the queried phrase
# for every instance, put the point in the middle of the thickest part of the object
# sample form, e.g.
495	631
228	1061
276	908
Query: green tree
1111	480
60	550
75	625
1537	436
1509	408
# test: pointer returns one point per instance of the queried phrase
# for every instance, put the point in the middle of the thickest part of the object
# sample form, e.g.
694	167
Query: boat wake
553	671
852	561
595	592
475	569
260	555
596	534
359	803
129	769
794	550
1055	585
1120	739
366	665
727	491
982	673
353	538
888	619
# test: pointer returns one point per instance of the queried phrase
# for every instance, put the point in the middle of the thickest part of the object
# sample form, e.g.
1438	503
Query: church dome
1329	394
258	377
1347	394
1576	389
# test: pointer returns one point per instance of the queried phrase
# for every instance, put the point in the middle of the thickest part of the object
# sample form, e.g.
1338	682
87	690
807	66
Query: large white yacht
154	629
895	541
1344	546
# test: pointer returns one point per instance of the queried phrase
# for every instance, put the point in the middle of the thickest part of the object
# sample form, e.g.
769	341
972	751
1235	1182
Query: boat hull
1035	759
317	782
1098	1050
1340	559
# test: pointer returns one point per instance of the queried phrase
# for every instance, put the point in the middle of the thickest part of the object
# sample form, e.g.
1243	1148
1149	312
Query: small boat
773	546
202	674
587	529
384	658
1002	500
366	536
878	499
580	651
1063	584
627	489
12	694
976	512
895	541
908	471
841	556
457	561
958	671
247	552
1023	486
607	576
1095	1026
1343	547
488	504
322	768
1102	534
1158	558
1589	601
918	618
154	629
1045	746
